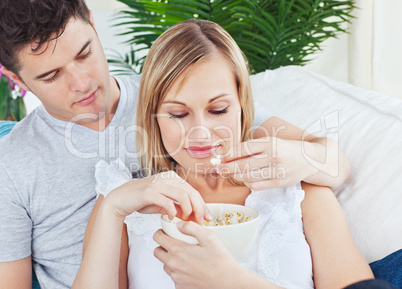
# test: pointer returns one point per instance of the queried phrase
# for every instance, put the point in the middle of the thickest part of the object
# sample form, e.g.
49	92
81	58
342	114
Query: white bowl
238	238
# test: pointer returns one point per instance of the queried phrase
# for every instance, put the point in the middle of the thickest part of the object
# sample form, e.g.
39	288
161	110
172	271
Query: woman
195	82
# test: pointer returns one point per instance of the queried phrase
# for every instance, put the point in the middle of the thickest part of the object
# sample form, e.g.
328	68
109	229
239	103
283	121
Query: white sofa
368	127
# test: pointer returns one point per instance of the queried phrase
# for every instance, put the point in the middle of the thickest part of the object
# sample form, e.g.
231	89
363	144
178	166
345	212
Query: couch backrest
368	127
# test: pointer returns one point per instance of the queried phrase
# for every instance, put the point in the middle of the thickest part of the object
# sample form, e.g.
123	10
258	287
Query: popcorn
228	219
216	161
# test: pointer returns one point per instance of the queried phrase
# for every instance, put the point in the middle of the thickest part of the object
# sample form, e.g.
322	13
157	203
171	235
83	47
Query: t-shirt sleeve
260	115
15	222
109	176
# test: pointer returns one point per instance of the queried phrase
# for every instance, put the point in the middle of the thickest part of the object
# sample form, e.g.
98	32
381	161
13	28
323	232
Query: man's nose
79	80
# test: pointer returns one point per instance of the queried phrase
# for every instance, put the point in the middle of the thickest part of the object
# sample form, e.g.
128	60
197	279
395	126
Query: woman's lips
88	100
201	152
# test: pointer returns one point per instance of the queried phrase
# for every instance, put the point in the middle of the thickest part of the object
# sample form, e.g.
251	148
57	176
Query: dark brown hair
34	21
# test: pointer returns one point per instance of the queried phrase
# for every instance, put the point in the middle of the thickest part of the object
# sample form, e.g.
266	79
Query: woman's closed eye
173	115
212	111
219	112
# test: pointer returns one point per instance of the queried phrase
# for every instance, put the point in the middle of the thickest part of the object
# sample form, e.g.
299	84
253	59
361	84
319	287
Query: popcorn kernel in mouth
216	161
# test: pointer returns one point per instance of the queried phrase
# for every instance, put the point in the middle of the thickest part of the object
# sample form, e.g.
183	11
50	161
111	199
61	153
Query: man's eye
86	54
178	115
53	78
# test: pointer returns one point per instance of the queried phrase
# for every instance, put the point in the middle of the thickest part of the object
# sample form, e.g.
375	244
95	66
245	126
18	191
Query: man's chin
87	117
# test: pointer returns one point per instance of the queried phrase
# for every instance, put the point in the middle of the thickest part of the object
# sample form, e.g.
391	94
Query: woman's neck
216	189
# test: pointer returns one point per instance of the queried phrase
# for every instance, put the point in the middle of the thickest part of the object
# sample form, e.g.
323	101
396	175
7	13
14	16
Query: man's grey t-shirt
48	187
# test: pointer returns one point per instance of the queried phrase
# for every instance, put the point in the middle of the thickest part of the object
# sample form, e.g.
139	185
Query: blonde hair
182	46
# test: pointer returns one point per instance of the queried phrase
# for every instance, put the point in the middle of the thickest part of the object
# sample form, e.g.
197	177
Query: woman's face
200	117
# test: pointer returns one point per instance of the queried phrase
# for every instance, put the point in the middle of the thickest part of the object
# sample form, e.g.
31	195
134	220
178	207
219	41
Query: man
51	48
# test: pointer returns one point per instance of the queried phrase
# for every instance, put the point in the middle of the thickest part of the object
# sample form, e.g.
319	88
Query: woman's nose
199	130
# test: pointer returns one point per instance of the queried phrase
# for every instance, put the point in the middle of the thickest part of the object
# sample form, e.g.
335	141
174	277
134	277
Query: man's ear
14	78
91	19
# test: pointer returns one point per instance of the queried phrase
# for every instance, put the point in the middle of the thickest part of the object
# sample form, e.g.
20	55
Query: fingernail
209	216
180	224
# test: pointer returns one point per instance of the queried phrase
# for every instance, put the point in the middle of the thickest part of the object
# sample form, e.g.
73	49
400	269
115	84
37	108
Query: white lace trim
144	226
110	176
280	212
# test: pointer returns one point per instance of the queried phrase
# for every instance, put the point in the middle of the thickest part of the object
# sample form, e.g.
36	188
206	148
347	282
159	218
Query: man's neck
103	122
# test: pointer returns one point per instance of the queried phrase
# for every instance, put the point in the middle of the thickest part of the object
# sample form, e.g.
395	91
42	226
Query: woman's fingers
179	199
196	206
167	244
190	202
161	193
248	148
200	209
247	157
202	234
159	202
247	163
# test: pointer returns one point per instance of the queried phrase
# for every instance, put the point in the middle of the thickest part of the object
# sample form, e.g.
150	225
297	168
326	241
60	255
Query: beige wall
104	5
338	59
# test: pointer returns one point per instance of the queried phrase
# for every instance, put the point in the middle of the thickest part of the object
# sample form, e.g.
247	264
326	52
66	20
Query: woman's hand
205	265
268	162
164	193
288	156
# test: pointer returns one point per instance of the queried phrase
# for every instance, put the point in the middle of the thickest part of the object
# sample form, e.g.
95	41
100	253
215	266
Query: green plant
271	33
11	99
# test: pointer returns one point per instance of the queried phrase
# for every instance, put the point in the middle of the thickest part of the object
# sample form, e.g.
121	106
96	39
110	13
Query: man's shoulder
132	81
129	88
21	134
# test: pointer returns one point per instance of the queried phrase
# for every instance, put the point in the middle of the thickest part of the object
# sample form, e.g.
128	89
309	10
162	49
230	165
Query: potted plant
271	33
11	99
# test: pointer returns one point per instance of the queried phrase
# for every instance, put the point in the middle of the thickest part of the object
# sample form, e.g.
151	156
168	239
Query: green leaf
271	33
17	109
5	97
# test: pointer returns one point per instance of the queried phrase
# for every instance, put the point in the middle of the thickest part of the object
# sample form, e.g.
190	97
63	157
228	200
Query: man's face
71	77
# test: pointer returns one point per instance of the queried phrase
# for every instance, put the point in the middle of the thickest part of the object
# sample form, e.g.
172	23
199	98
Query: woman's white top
280	252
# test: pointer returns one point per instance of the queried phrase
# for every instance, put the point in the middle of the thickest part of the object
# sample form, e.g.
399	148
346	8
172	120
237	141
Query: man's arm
327	164
15	236
16	274
282	155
